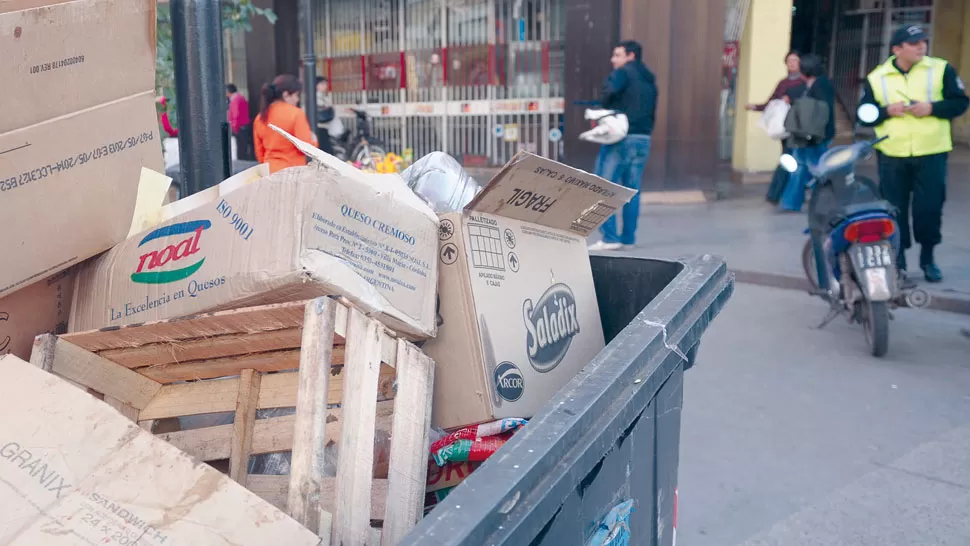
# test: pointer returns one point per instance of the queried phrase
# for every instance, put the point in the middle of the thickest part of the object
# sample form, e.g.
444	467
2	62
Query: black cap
909	34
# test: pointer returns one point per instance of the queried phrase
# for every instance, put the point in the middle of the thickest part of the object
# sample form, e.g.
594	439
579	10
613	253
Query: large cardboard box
79	123
73	471
41	308
300	233
519	310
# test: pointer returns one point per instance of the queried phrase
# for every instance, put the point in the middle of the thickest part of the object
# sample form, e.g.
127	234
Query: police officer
917	96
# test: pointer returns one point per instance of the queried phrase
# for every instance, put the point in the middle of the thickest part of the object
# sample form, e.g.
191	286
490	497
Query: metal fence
479	79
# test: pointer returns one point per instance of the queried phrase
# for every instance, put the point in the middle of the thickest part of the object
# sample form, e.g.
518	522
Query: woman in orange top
280	107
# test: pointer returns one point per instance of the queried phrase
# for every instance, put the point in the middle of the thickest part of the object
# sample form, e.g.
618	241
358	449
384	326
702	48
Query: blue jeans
794	195
622	163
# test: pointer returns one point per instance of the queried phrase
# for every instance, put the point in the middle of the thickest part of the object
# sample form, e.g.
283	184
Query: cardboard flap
213	193
545	192
381	183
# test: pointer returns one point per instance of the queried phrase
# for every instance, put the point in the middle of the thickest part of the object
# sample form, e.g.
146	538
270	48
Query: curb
938	302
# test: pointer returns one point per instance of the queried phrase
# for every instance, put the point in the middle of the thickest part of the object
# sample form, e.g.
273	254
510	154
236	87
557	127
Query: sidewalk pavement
764	246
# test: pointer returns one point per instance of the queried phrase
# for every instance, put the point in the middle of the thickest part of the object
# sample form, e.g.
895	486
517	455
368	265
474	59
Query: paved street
795	436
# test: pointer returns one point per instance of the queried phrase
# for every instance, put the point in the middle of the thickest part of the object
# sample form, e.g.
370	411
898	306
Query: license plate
870	256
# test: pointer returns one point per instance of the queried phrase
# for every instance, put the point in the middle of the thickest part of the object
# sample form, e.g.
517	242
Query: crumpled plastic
440	180
614	530
475	443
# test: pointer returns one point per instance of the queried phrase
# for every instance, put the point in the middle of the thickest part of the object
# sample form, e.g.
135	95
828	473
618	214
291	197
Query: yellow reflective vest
911	136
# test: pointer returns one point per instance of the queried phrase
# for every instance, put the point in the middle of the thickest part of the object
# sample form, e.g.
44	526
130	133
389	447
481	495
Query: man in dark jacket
632	90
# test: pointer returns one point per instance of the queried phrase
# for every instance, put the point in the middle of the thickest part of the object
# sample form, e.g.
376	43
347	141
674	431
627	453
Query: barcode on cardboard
592	217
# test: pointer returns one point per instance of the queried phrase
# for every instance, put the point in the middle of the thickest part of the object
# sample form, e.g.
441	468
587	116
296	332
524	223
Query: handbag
325	115
773	119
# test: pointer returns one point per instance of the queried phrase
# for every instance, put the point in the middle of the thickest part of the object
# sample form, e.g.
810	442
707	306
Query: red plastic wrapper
470	450
477	432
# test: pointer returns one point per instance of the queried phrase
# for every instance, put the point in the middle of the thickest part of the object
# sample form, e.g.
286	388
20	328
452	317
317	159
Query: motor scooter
850	256
358	145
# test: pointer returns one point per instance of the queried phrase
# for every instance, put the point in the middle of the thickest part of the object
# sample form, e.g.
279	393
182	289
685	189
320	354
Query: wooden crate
307	355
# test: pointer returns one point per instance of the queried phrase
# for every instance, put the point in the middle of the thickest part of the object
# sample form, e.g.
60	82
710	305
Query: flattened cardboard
64	61
73	471
547	193
79	124
518	306
301	233
68	188
41	308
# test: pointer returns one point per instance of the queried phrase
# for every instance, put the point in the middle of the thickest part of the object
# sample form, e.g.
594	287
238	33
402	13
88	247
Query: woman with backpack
811	123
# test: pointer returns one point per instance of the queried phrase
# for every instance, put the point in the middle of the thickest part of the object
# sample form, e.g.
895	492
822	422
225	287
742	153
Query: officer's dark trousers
920	183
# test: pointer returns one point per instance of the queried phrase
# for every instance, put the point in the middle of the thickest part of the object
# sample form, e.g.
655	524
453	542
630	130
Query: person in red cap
917	97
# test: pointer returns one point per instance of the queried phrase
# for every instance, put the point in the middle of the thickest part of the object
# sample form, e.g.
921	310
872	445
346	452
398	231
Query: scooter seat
872	206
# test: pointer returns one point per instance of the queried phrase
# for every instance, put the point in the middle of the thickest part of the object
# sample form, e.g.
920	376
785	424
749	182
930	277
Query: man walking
632	90
238	117
917	96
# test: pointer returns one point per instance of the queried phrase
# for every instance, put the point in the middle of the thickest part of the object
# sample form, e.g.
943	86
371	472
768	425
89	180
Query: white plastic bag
773	119
611	126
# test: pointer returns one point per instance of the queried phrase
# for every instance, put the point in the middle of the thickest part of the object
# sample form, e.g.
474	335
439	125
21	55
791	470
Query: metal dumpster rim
478	510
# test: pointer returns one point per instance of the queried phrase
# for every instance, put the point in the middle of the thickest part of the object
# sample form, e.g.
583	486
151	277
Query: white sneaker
602	246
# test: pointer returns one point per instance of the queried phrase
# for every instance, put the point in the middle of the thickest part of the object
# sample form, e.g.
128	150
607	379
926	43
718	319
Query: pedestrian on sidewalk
811	123
280	106
631	89
326	114
793	62
917	97
239	122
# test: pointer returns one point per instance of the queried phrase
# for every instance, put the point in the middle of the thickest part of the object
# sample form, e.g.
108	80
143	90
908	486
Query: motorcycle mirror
868	113
789	163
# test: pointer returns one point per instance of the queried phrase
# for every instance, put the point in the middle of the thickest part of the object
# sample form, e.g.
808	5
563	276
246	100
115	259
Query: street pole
309	63
199	91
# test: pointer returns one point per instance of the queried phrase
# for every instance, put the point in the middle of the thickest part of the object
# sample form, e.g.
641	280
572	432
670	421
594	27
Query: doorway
852	36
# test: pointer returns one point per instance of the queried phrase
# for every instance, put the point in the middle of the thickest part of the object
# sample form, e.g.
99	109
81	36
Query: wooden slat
237	321
352	513
220	367
128	411
242	425
108	378
42	356
310	431
169	352
275	489
277	390
388	337
408	469
269	435
212	396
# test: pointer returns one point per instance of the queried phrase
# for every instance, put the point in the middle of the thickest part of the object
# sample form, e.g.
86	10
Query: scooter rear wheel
876	323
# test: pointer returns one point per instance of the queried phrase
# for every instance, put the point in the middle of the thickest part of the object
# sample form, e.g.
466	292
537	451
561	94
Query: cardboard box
41	308
302	233
73	471
519	310
78	126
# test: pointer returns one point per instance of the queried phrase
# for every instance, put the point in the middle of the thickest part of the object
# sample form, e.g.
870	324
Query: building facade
483	79
853	38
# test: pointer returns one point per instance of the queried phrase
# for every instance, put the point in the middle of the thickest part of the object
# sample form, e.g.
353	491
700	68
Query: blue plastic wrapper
614	530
